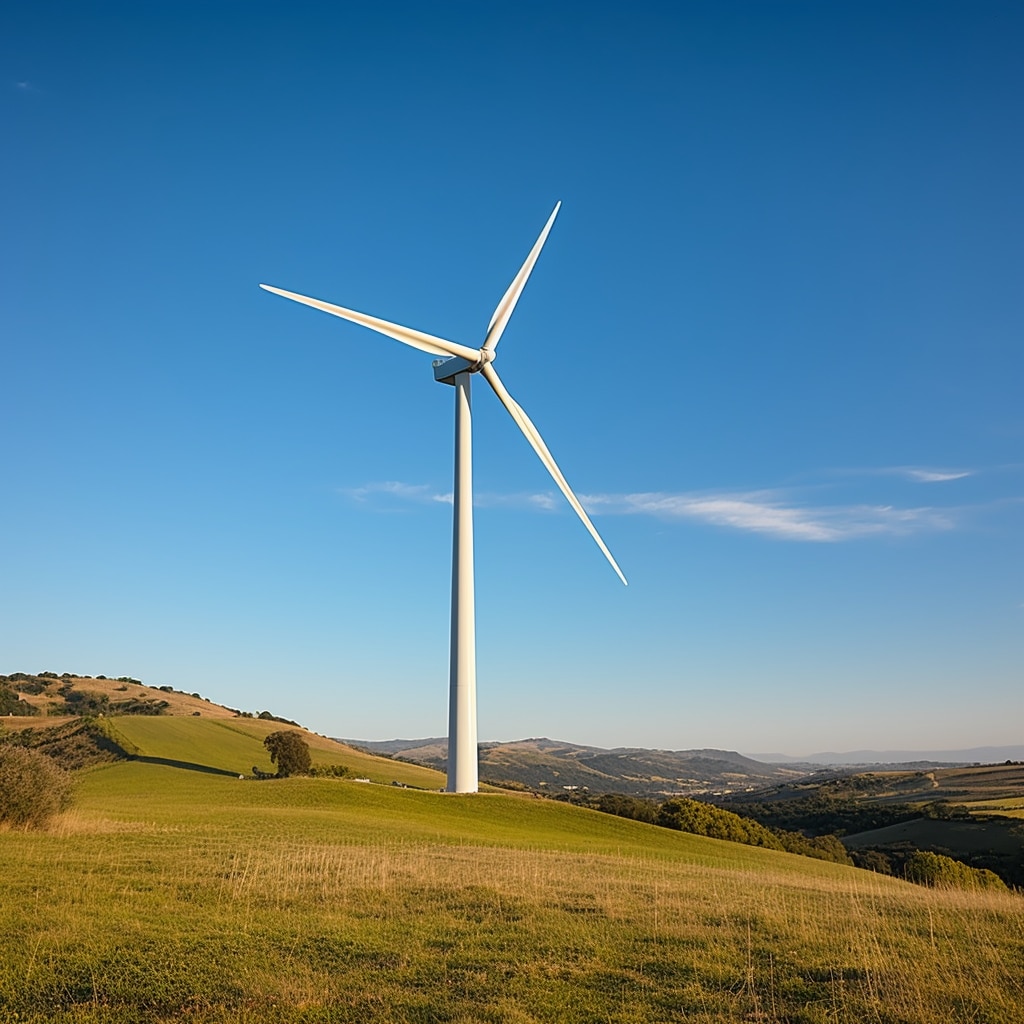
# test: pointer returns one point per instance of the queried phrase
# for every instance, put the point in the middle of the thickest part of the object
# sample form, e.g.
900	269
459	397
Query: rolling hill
556	766
92	720
173	890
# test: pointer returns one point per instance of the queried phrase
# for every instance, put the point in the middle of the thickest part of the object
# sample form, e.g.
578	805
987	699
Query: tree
289	751
703	819
32	787
934	869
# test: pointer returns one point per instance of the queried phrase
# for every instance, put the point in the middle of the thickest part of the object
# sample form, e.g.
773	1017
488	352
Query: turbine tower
456	367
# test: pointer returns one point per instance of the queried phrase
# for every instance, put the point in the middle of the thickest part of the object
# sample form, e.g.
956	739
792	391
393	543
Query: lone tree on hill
290	752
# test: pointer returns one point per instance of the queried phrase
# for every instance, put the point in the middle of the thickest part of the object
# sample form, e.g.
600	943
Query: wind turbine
456	367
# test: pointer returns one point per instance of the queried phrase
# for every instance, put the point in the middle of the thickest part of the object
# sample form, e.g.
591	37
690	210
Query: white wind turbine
457	368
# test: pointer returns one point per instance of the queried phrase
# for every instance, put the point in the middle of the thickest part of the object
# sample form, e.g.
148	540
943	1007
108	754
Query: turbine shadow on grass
187	765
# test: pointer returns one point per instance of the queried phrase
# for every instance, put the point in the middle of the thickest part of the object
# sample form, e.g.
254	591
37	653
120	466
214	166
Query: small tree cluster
331	771
703	819
11	703
290	752
32	788
633	807
941	872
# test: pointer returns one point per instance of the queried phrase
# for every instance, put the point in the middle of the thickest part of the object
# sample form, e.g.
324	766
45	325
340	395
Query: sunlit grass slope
235	746
171	894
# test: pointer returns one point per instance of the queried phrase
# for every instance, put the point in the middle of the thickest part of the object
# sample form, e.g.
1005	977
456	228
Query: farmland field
175	894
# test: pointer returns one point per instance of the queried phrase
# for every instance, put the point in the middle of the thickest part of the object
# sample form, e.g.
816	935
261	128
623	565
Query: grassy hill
175	891
183	730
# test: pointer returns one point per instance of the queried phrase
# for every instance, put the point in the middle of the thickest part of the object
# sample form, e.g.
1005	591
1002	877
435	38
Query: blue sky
774	342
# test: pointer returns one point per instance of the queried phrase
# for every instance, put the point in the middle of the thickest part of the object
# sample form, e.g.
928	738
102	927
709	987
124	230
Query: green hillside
234	746
175	891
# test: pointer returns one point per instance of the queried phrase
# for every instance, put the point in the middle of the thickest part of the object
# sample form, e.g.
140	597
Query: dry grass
176	896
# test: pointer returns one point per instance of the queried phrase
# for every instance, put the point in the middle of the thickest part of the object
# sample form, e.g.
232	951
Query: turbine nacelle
446	370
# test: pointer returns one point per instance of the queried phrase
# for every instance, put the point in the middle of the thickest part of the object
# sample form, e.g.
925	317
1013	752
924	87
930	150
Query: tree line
704	819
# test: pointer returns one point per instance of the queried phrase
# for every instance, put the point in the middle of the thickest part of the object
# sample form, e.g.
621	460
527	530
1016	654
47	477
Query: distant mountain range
558	766
852	758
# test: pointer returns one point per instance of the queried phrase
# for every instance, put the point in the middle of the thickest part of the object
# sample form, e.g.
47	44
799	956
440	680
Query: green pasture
234	746
172	893
1011	807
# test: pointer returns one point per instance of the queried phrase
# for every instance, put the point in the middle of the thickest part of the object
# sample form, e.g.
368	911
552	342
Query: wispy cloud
423	494
414	493
776	514
916	474
933	476
772	513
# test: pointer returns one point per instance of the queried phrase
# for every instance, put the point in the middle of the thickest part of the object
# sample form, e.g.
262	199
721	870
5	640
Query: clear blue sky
774	342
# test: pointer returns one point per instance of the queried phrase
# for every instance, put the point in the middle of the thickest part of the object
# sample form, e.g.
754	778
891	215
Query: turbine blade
406	335
503	312
537	443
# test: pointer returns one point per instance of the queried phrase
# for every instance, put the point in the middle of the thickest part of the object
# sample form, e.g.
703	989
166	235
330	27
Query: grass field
234	746
175	894
1012	808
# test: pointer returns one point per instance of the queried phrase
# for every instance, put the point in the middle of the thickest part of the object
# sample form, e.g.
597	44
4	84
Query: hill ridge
544	763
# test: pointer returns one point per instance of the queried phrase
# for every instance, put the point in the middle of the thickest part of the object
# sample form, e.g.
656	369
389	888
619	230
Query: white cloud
771	513
423	494
919	474
396	489
933	476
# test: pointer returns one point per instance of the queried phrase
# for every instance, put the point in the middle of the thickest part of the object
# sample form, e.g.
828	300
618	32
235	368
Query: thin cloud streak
934	476
416	493
769	513
422	494
918	474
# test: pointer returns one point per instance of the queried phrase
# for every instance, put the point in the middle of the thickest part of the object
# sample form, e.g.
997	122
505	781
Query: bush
32	788
934	869
819	847
705	820
10	704
290	752
872	860
330	771
628	807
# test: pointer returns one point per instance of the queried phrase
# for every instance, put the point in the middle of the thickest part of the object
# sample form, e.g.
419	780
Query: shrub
32	788
705	820
872	860
628	807
331	771
290	752
934	869
10	704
